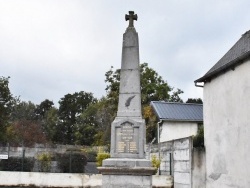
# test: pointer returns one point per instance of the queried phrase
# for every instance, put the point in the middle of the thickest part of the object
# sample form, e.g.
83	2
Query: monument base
126	173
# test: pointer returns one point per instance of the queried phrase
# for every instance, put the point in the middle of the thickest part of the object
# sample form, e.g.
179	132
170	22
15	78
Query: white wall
176	130
227	128
64	180
49	179
198	168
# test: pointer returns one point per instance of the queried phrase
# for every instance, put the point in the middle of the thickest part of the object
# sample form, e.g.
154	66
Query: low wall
199	168
60	180
32	152
186	164
49	179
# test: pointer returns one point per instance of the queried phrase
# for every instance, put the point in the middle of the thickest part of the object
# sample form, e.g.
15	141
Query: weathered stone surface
182	154
126	162
182	166
128	166
128	138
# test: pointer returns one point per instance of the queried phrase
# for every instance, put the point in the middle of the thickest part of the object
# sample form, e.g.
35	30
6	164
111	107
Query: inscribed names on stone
127	140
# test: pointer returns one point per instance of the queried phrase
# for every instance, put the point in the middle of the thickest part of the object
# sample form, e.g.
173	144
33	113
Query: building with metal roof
177	120
169	111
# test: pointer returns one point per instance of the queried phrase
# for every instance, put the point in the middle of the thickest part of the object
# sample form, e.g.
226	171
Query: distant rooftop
178	111
235	56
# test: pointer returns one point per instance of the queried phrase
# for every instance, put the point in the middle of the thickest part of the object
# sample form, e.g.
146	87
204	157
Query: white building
177	120
227	118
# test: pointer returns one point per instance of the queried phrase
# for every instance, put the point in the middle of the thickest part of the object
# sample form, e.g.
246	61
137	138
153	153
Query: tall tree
51	125
24	111
26	133
175	97
102	113
71	107
6	104
43	107
25	128
153	87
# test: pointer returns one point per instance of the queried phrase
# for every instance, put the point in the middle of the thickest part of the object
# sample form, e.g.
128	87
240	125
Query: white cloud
54	47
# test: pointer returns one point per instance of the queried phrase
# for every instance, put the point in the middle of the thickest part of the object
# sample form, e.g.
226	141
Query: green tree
175	97
195	100
51	125
71	107
86	126
43	107
97	120
6	105
153	87
24	111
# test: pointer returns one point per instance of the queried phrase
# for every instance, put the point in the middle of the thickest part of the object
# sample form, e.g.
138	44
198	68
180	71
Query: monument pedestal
126	173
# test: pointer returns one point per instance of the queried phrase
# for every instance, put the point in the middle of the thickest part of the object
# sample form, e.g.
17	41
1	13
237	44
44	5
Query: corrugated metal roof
239	52
178	111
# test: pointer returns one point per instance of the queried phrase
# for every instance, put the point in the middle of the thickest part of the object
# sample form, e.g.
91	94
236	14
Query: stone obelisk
127	166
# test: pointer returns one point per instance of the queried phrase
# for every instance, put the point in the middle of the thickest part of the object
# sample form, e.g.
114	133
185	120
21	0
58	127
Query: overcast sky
51	48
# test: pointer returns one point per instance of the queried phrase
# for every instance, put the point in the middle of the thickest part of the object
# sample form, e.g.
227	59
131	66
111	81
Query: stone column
127	166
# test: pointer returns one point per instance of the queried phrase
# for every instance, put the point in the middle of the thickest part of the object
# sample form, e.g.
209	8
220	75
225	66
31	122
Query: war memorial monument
127	166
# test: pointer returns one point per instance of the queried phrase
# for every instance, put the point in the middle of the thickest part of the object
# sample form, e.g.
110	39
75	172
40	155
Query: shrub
155	161
100	157
198	140
45	161
16	164
91	156
71	162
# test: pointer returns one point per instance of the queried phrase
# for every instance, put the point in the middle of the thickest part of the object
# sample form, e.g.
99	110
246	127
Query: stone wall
185	163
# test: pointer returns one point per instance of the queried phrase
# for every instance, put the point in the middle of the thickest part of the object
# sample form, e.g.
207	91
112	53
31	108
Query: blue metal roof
178	111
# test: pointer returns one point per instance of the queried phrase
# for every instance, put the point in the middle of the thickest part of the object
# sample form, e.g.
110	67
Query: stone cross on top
131	17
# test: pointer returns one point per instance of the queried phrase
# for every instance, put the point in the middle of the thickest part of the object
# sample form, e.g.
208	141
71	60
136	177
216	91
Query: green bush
100	157
71	162
45	161
155	162
16	164
90	153
198	140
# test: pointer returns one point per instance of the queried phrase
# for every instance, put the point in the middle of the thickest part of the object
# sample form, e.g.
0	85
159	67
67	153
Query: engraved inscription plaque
127	139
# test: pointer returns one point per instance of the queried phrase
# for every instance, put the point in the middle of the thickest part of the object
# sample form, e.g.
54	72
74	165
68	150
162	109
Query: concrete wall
64	180
32	152
227	128
187	165
49	179
182	160
198	168
176	130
